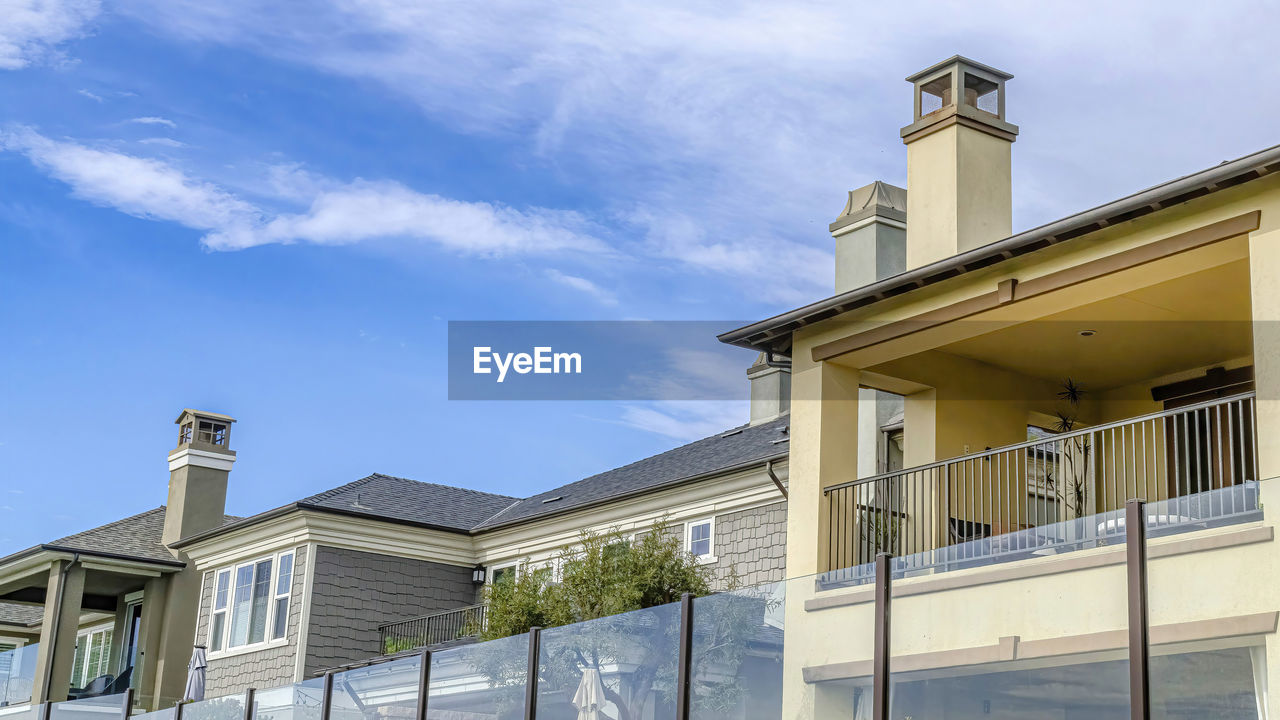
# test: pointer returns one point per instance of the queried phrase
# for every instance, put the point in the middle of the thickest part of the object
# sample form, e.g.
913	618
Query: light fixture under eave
1088	333
477	575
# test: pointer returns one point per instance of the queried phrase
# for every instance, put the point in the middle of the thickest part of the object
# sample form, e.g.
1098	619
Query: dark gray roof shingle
137	537
732	448
19	614
396	498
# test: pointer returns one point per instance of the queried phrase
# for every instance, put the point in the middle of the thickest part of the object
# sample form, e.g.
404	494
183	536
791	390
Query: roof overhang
774	334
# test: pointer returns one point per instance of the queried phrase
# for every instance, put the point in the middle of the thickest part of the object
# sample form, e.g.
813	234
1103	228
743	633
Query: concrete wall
353	592
261	668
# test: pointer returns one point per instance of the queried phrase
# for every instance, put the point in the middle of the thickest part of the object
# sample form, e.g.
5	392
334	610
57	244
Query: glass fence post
126	706
424	684
880	676
326	699
248	703
531	680
1135	526
684	671
46	710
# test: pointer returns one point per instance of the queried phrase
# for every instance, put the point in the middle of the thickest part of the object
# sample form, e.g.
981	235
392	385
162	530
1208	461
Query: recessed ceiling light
1088	333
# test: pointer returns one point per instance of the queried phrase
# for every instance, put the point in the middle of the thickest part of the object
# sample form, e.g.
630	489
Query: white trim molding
200	458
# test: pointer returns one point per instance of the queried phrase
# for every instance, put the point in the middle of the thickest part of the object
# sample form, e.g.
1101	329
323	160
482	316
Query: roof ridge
111	524
447	487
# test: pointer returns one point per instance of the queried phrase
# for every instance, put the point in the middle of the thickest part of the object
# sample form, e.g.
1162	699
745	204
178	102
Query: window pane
77	665
284	577
700	539
261	594
215	631
281	619
220	592
240	606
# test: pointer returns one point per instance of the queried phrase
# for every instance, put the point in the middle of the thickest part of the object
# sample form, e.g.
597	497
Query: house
373	566
1045	378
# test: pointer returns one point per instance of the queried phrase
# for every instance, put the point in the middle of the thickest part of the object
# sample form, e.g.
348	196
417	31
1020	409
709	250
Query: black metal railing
434	629
1002	496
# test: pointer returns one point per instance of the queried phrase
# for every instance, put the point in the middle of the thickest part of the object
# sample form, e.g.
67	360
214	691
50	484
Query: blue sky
272	209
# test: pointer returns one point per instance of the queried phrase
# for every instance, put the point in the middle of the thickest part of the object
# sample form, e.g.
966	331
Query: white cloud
583	285
164	141
685	421
91	96
151	120
750	120
31	30
339	213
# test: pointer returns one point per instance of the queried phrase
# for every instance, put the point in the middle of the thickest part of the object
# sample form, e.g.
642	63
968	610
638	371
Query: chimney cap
204	414
879	199
958	60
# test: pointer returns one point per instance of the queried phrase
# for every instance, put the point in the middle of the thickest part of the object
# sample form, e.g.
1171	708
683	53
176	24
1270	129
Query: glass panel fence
228	707
1209	620
1047	642
737	654
17	671
162	714
623	666
378	692
300	701
484	680
18	712
104	707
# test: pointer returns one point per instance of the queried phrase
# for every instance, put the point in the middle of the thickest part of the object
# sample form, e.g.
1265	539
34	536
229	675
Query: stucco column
151	634
181	602
1264	287
58	632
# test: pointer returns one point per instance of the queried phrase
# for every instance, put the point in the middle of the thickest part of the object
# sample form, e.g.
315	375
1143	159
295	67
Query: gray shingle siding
353	592
264	668
753	543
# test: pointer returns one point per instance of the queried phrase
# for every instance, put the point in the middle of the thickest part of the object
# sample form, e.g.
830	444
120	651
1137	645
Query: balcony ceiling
1192	321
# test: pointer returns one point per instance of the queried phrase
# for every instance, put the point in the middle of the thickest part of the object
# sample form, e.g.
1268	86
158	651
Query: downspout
57	621
768	467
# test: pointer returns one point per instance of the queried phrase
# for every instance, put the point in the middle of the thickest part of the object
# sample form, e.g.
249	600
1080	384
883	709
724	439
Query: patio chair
93	688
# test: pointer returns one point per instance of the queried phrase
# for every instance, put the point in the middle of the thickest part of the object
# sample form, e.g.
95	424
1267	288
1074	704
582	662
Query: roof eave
766	335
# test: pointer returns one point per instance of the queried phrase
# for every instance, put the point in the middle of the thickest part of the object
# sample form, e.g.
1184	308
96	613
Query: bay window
250	603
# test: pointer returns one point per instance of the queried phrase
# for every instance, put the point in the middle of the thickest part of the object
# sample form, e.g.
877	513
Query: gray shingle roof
18	614
395	498
739	446
137	537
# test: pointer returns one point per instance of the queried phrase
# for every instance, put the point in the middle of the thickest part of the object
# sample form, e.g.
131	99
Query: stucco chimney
870	235
770	391
198	470
959	146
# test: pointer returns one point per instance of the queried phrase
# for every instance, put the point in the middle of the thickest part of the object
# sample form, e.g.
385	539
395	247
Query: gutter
773	334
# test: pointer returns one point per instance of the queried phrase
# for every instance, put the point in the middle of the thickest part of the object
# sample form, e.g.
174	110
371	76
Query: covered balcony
1026	426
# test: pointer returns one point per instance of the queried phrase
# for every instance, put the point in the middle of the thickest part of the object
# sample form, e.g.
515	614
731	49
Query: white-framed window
93	655
250	604
501	572
699	539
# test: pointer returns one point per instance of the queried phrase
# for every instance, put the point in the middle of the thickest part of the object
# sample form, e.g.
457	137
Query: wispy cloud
685	421
31	30
91	96
152	120
338	213
581	284
164	141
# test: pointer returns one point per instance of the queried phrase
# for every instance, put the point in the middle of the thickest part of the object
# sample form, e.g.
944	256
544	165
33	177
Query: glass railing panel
1049	641
480	680
386	690
737	654
17	673
161	714
18	712
618	666
300	701
1208	615
227	707
103	707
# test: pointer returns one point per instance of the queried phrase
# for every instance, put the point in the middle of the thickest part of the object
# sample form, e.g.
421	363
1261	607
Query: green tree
604	579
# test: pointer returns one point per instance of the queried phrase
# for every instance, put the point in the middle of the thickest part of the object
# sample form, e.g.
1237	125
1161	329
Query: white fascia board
543	539
200	458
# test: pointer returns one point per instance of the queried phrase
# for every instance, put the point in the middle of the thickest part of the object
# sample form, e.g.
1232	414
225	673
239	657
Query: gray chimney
871	236
198	470
770	391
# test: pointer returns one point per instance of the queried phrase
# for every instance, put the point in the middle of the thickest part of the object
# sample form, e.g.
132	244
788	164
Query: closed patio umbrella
590	695
195	676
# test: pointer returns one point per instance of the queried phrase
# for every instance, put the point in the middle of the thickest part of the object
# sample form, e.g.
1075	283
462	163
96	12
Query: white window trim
711	538
513	567
89	632
267	641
